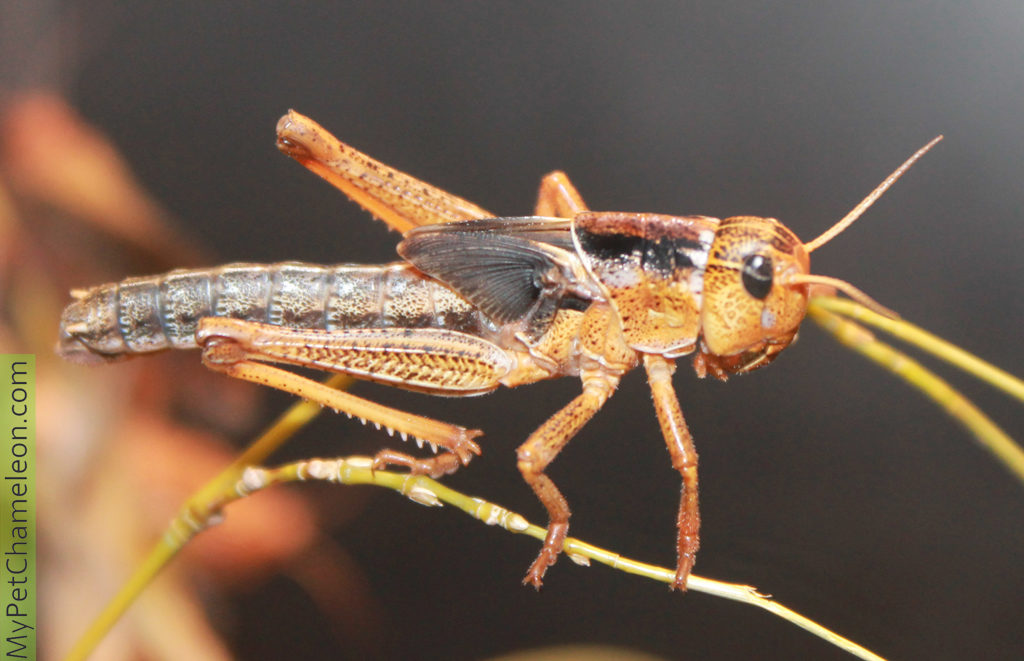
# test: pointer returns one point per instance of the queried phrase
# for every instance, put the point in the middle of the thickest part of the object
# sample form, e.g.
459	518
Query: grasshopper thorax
650	269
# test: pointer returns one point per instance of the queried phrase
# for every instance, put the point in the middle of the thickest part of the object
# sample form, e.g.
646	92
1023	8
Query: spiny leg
541	449
684	460
401	201
223	356
445	361
557	197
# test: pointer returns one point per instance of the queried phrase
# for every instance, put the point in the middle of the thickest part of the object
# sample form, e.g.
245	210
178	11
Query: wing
555	232
512	269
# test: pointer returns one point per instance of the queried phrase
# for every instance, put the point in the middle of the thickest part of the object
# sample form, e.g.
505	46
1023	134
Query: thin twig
425	491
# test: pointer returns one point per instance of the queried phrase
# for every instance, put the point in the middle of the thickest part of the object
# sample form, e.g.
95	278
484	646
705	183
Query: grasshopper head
752	306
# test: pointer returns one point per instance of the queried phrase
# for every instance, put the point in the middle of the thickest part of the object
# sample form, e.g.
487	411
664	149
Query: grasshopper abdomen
147	314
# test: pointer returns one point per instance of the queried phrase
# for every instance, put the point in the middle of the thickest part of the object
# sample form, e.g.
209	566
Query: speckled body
594	292
147	314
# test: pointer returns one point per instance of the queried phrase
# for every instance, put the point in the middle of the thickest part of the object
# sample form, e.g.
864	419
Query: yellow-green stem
925	341
858	338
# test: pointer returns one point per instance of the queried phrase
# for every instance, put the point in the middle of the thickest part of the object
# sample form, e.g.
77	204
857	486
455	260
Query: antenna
831	232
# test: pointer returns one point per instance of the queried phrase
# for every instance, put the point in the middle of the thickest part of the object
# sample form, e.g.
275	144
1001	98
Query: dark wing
512	269
556	232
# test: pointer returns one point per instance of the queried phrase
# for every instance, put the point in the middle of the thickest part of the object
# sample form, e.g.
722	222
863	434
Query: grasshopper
480	301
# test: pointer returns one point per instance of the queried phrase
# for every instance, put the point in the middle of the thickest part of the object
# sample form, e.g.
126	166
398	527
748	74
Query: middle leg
541	449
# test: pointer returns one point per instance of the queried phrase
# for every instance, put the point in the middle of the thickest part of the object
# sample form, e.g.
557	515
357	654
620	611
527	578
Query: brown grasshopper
481	301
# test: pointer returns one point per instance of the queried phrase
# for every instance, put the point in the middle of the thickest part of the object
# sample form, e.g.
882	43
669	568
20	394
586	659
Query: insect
481	301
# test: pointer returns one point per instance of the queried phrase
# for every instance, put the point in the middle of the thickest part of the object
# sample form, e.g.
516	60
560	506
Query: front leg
541	449
684	460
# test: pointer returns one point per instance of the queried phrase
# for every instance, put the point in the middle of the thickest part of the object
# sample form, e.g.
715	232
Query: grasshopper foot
548	554
443	464
683	568
460	453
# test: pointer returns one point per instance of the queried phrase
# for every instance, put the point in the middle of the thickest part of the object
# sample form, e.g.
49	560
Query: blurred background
824	481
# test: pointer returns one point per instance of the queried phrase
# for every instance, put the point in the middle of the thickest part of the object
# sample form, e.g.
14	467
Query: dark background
825	482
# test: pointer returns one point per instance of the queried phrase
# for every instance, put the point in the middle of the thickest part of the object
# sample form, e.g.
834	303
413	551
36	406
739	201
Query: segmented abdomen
141	315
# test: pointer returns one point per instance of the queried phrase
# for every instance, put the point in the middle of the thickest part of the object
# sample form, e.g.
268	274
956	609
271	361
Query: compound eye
757	276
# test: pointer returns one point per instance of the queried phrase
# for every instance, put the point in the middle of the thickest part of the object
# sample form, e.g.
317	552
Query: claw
532	578
535	574
466	449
